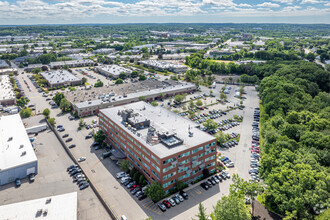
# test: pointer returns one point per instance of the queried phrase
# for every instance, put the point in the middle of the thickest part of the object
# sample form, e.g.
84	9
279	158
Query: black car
72	146
88	136
66	135
184	195
68	140
142	197
162	207
205	186
70	167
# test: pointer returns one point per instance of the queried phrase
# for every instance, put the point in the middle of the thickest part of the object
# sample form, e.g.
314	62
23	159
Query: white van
123	217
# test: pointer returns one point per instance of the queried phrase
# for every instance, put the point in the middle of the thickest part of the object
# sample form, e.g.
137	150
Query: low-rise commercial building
165	147
17	156
72	63
113	70
7	94
8	70
60	78
104	51
162	65
57	207
93	107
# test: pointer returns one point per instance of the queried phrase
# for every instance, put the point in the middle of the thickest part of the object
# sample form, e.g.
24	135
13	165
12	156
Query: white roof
13	142
162	120
59	76
62	207
114	70
6	89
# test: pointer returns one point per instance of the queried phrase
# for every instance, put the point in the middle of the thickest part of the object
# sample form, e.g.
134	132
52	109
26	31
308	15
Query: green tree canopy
155	191
46	112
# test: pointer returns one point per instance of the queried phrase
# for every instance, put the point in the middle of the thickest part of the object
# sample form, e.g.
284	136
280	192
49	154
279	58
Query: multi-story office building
164	146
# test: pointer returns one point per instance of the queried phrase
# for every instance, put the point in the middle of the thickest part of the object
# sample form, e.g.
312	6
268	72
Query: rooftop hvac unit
21	146
23	153
48	201
45	212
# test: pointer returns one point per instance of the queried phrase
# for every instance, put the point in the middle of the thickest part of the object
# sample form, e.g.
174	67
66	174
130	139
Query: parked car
66	135
81	159
72	146
61	129
167	203
184	195
162	207
68	140
172	201
31	177
89	136
180	198
17	182
85	185
142	196
72	166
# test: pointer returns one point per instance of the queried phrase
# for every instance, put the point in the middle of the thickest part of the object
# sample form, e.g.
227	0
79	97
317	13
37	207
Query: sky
24	12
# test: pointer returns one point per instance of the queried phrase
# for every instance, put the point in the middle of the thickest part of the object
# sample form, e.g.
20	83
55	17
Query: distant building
113	70
7	94
60	78
163	146
104	51
246	37
125	57
17	156
3	64
220	53
30	67
149	46
52	207
162	65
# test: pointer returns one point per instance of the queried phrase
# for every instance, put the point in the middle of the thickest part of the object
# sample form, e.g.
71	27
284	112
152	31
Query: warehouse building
162	65
71	63
57	207
113	70
17	157
165	147
58	78
92	107
7	94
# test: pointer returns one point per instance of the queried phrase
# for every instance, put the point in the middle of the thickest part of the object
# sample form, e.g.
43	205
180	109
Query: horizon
32	12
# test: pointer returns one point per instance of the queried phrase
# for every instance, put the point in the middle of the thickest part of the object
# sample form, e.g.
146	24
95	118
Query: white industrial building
17	156
63	207
113	70
7	94
60	78
161	65
71	63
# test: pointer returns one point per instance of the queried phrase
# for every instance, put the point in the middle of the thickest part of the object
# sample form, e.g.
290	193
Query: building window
197	149
169	160
168	176
155	159
169	168
169	183
210	151
184	154
210	158
184	176
184	162
183	169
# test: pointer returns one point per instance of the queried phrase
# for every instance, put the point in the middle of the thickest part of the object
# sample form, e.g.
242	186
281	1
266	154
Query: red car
255	150
167	204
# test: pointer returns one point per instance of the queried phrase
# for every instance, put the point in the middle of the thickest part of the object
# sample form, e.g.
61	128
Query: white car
120	175
81	159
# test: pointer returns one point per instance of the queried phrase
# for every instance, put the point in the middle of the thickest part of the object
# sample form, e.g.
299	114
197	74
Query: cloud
286	1
245	5
311	1
268	5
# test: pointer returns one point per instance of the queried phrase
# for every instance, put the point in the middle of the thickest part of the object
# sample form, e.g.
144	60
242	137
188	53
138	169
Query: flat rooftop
62	207
114	70
14	142
119	90
161	64
59	76
6	88
164	122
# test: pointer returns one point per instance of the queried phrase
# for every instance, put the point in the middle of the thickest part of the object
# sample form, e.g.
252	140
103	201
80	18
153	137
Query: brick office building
164	146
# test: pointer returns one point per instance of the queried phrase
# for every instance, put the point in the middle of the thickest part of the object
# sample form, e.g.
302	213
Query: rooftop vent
48	201
21	146
23	153
10	138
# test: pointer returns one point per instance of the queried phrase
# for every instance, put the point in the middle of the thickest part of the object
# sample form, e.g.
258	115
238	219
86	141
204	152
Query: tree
142	180
142	98
210	124
142	77
154	103
46	112
223	96
155	191
192	104
222	137
83	80
65	105
98	84
134	74
310	56
99	136
180	185
21	102
58	97
124	165
26	112
202	212
199	102
178	98
231	207
122	75
52	121
119	81
241	90
36	70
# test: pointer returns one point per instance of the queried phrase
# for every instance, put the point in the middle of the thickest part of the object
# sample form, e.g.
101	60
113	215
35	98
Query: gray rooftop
173	128
6	89
114	70
59	76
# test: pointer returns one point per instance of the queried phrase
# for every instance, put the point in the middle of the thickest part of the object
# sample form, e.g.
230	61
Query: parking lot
52	179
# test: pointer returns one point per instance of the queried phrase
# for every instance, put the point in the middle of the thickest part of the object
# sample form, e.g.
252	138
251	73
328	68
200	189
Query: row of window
169	175
210	158
168	168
